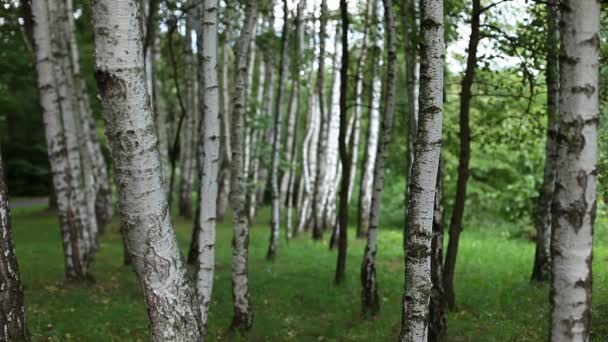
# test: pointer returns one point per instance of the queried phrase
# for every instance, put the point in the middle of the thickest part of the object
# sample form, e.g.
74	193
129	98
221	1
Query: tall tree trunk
574	205
344	153
160	118
62	145
373	124
541	272
370	301
12	318
209	145
100	183
255	140
419	226
224	190
243	314
188	136
437	319
276	142
170	296
309	162
410	23
463	159
317	203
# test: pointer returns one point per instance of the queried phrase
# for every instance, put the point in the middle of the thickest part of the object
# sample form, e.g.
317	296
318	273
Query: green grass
294	298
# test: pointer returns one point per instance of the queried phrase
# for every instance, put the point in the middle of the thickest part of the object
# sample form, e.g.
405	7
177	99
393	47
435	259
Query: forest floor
294	298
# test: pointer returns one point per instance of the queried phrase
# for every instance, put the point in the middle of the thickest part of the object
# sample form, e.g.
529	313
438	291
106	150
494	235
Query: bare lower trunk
224	190
169	294
463	158
318	208
12	318
209	145
243	314
160	118
437	319
345	157
276	143
369	293
574	204
59	112
541	272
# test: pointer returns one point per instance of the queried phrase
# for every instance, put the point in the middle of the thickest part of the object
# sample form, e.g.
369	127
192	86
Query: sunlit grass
294	297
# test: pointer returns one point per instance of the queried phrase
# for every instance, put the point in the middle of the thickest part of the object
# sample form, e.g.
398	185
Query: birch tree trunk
345	157
574	205
317	203
276	142
410	23
463	158
224	190
12	318
369	294
160	118
256	136
209	144
541	272
58	105
437	319
371	147
421	201
243	314
170	296
309	162
188	141
99	182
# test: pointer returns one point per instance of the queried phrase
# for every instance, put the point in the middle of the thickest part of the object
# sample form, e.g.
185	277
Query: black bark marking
110	86
586	89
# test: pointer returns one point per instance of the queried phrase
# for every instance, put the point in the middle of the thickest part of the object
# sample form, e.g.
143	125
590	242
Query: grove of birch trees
357	126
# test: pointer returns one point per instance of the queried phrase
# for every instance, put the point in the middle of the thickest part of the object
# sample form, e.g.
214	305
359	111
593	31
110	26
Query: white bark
367	170
170	297
160	117
209	94
422	185
255	139
309	161
243	314
574	204
96	171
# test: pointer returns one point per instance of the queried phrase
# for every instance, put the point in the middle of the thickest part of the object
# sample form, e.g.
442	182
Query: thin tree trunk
317	203
99	181
463	159
73	213
574	204
410	23
309	162
437	319
345	157
224	190
541	272
170	296
209	145
12	318
373	125
370	300
276	142
420	206
160	118
243	314
255	139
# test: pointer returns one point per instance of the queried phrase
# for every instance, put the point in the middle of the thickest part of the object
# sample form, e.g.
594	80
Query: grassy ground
294	298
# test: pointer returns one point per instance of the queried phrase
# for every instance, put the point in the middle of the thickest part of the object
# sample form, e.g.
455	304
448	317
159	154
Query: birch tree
58	106
437	319
373	126
209	144
409	24
370	301
318	207
574	205
419	228
243	314
12	316
276	142
169	294
542	259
